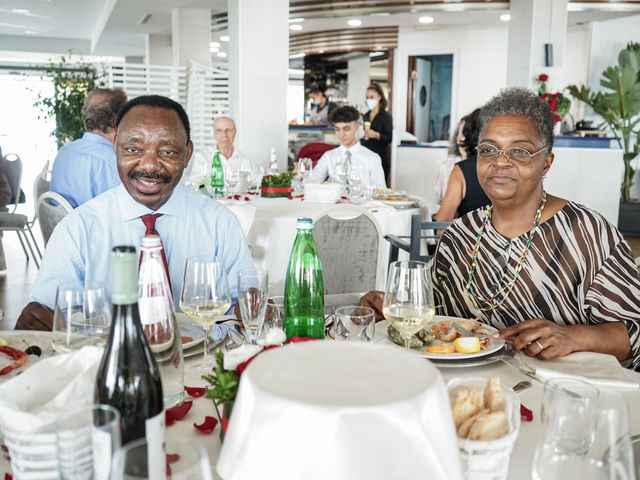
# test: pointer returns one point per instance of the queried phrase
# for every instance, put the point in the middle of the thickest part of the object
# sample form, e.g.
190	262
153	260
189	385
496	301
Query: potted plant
619	107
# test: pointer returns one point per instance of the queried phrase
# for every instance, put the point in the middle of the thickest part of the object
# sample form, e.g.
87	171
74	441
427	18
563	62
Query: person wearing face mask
320	107
378	127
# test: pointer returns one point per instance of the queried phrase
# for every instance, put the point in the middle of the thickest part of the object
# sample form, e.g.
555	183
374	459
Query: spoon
521	386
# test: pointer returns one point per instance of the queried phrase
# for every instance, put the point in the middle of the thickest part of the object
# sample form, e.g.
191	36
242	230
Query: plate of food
399	201
441	341
19	349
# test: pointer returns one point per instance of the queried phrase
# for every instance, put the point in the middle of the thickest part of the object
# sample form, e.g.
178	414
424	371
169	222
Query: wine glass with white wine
408	300
205	296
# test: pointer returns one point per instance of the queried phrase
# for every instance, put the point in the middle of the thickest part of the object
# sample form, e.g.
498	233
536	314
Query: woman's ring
540	345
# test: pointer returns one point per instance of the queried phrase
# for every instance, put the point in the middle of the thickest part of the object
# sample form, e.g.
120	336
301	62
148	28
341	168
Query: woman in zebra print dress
554	276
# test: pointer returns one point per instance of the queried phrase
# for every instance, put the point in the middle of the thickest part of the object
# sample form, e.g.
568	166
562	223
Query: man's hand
542	338
374	300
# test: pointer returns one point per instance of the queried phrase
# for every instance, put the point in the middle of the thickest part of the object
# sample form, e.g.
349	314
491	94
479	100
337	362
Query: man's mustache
149	176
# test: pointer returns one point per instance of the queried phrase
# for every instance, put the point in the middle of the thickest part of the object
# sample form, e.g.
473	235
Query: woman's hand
541	338
371	134
373	299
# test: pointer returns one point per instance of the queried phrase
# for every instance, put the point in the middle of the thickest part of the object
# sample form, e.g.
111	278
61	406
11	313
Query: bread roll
494	397
489	426
463	431
465	408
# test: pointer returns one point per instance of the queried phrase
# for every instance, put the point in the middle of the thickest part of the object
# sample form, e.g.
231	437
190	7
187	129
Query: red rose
556	117
554	105
543	77
558	95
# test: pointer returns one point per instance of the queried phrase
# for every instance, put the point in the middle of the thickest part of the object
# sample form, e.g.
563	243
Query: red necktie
149	221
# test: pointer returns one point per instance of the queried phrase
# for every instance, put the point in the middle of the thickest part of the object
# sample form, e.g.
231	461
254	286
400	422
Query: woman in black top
378	127
464	193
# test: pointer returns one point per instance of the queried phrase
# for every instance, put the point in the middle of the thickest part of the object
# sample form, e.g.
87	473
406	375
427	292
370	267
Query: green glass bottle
217	176
304	286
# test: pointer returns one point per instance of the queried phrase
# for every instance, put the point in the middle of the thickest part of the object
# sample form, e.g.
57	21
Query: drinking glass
184	461
231	178
582	396
81	316
408	301
356	184
305	165
255	181
599	449
354	323
252	297
205	296
86	441
273	326
342	176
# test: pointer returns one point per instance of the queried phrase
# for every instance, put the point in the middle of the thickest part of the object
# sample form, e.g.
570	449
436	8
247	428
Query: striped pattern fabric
579	271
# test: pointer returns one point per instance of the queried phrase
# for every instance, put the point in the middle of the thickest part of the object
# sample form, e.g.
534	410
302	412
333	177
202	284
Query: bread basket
488	460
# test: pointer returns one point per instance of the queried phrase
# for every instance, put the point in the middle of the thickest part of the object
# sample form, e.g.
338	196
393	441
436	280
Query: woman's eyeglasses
519	155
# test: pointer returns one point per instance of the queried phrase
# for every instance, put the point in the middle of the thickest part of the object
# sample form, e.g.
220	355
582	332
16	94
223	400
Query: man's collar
176	206
94	137
353	148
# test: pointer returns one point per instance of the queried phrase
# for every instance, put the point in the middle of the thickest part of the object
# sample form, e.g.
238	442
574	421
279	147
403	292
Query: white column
158	49
358	79
190	36
258	71
535	23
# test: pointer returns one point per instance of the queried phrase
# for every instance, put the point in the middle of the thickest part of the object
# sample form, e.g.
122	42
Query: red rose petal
8	476
174	414
172	458
195	392
246	199
207	426
526	414
290	197
301	339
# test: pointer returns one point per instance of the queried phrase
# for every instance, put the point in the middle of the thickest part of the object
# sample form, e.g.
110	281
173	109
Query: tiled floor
16	281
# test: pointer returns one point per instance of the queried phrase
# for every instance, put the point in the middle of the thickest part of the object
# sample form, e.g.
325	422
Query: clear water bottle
158	319
273	162
217	176
304	286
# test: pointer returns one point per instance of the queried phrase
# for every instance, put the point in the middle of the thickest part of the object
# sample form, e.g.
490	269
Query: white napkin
35	398
596	368
377	207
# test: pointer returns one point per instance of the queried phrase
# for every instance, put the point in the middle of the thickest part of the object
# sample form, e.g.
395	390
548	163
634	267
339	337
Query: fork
465	332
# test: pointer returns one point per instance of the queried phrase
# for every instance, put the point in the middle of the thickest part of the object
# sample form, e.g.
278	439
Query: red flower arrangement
558	103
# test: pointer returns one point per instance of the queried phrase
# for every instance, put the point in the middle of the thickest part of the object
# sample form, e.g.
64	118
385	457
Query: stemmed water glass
408	301
252	297
356	184
205	295
231	178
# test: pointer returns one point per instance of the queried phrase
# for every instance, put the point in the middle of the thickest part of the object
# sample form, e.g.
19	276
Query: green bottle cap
124	275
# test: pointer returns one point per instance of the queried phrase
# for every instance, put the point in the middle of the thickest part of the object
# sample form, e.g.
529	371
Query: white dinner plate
402	203
494	346
191	334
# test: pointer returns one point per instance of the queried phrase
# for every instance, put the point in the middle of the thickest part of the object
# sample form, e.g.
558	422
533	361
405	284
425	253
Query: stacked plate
322	192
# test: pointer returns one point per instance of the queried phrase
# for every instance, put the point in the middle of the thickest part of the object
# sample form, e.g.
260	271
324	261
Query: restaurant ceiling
112	27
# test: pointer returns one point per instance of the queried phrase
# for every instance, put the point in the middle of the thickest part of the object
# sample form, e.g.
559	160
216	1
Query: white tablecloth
273	231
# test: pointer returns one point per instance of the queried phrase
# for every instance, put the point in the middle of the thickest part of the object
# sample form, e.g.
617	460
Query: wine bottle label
102	453
152	310
156	460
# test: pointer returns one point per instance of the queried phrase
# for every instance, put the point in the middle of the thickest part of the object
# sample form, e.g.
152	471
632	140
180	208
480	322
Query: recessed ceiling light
321	50
214	49
295	27
426	19
20	10
214	44
224	38
354	22
505	18
296	20
222	54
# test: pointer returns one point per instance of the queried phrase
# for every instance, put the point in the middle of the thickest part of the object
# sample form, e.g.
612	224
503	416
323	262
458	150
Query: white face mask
372	103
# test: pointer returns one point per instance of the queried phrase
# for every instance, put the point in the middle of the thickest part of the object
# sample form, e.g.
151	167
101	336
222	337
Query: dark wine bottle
128	377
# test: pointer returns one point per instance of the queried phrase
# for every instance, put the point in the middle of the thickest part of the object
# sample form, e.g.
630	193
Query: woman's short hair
520	102
375	86
345	114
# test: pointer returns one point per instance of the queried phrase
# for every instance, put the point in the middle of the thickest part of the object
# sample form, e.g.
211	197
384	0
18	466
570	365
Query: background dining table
272	230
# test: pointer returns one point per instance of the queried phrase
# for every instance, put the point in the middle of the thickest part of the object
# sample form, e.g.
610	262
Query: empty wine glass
184	461
356	184
252	297
342	176
408	300
231	178
354	323
599	448
81	316
205	295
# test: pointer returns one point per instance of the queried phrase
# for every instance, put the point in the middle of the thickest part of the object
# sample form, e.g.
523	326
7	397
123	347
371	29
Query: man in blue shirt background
153	148
86	167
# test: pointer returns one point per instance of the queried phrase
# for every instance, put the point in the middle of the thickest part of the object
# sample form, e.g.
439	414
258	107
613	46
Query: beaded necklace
494	301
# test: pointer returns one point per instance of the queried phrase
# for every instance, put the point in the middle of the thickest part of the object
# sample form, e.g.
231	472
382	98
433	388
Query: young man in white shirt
224	131
350	153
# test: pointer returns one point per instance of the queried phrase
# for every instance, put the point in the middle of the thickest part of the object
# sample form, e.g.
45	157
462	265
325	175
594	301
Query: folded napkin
35	398
596	368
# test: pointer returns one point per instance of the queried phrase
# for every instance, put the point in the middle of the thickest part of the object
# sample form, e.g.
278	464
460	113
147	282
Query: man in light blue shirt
87	167
153	148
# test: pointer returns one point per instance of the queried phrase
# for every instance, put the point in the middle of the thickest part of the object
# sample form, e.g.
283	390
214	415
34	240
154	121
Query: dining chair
52	207
349	242
11	221
40	185
423	233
